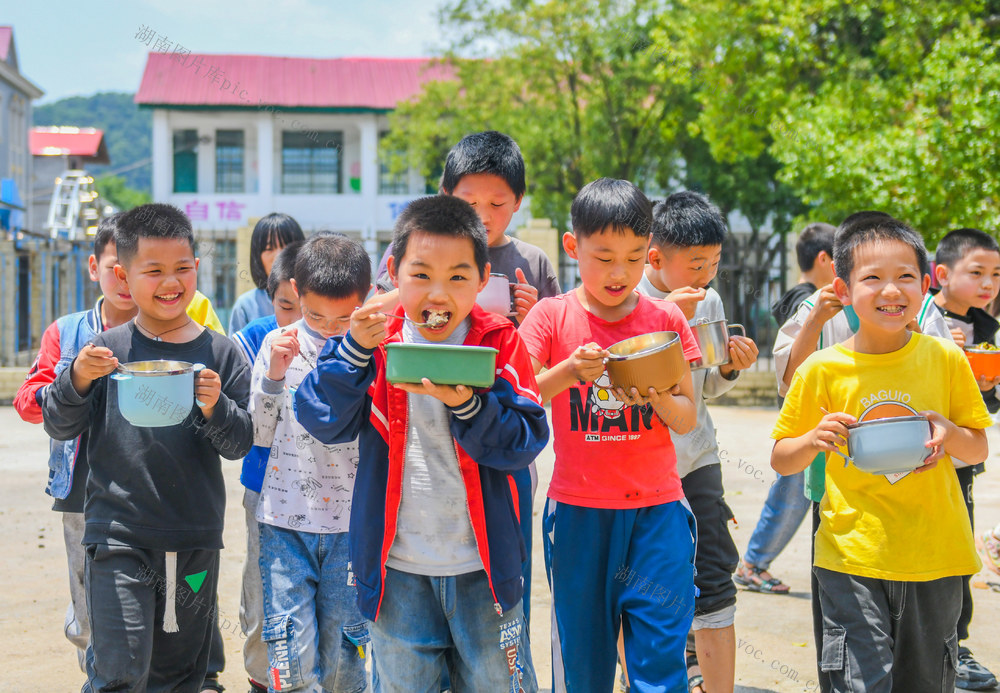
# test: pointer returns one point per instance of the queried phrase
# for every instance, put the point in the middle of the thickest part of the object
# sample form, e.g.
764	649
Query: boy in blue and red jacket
435	543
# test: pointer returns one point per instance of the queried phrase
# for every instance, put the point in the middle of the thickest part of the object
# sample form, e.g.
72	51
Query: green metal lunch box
442	364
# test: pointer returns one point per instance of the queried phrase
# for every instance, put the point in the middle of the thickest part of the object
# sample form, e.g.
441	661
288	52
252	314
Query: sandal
989	550
696	682
752	578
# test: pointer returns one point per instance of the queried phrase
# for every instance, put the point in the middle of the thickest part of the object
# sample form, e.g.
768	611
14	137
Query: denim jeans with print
427	623
314	632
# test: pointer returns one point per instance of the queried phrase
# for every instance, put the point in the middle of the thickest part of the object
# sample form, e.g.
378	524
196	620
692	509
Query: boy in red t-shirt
619	537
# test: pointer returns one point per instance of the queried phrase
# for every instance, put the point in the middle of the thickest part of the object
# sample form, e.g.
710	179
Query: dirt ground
774	650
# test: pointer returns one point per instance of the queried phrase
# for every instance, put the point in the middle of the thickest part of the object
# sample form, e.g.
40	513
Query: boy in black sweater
155	496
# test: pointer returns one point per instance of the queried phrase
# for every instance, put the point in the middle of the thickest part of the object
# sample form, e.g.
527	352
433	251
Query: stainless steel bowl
713	340
890	445
649	360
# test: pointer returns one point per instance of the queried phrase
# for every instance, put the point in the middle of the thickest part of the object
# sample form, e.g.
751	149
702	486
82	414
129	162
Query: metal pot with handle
713	340
156	393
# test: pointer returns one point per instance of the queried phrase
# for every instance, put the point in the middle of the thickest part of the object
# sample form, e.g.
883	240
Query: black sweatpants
129	650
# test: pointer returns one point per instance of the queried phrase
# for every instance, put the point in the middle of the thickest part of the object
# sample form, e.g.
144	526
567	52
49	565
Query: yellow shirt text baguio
912	527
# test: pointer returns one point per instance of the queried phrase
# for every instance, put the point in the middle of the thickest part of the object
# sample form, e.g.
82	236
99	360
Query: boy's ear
655	256
841	289
517	203
95	275
485	278
390	265
294	287
120	274
940	274
925	284
569	245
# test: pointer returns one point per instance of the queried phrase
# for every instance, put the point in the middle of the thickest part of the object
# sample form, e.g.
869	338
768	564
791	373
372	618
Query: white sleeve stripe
470	409
352	356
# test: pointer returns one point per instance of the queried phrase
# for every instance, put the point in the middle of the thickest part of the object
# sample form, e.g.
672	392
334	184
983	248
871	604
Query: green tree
573	81
116	191
127	131
872	104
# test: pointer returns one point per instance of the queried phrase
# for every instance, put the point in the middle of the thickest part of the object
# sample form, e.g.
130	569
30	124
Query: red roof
68	141
253	80
6	33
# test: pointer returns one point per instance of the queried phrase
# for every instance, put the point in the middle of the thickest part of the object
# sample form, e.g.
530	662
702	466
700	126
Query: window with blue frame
311	162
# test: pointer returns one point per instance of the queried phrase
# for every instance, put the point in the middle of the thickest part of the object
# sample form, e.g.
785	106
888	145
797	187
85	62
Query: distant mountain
127	131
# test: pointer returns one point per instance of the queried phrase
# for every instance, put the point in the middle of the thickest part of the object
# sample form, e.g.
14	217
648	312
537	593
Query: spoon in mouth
435	321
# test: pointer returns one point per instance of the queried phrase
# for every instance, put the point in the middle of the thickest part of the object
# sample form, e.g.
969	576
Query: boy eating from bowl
155	496
684	254
435	543
968	270
890	549
619	538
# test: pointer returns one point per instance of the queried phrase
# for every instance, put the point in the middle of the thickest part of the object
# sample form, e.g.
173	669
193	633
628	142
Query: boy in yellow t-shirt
891	549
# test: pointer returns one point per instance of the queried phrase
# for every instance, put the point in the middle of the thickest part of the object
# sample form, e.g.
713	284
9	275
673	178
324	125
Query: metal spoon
430	323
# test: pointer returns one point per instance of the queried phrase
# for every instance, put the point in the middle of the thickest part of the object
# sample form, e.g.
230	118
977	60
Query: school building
236	137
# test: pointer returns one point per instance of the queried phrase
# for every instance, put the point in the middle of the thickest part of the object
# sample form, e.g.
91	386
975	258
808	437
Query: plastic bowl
984	362
650	360
442	364
889	446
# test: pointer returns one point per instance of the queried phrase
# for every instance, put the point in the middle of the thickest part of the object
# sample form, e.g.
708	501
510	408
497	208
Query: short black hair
441	215
958	243
106	229
283	268
687	219
275	229
485	152
153	220
867	227
610	202
813	239
333	265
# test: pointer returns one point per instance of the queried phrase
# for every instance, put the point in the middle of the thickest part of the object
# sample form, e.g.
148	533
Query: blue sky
80	48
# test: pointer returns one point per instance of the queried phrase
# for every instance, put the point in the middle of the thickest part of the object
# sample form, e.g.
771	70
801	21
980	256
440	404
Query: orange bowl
984	362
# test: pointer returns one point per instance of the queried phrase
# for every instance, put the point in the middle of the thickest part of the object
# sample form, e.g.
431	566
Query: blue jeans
783	512
314	632
427	623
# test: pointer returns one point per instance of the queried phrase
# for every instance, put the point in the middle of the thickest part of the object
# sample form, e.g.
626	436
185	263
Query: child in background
619	537
144	529
435	542
249	339
684	255
891	549
68	459
787	503
310	605
270	235
968	271
486	170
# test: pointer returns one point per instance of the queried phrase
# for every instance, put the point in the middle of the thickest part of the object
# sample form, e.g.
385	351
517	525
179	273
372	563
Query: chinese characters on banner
223	210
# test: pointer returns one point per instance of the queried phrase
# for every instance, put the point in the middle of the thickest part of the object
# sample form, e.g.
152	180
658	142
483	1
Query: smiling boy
890	549
435	542
155	496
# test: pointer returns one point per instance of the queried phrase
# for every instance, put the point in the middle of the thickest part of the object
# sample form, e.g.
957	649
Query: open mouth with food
435	318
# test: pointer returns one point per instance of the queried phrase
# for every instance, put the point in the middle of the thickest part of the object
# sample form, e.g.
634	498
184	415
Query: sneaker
970	675
989	550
